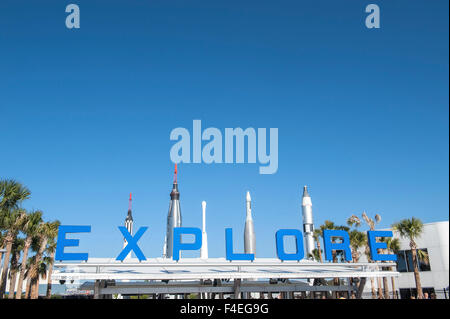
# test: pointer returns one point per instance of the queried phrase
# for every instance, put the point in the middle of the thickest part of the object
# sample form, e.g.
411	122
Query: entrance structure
218	276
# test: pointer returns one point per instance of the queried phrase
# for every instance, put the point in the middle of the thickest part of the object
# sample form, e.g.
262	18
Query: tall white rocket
249	232
204	249
128	226
308	226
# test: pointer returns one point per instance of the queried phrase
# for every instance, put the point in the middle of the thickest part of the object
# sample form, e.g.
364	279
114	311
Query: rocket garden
334	240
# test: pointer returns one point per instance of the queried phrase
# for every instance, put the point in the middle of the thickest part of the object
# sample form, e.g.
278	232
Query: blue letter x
131	243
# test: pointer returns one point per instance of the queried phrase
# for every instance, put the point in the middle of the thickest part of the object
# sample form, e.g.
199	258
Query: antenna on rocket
129	203
175	175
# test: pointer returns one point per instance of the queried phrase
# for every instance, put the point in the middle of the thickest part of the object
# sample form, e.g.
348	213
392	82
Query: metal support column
362	283
97	289
237	289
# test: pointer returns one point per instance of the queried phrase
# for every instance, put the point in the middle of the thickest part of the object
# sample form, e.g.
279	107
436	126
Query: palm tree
29	277
41	272
412	229
43	267
29	272
393	246
335	255
12	219
51	249
16	250
12	193
46	231
30	228
330	225
358	239
356	221
317	234
422	255
316	255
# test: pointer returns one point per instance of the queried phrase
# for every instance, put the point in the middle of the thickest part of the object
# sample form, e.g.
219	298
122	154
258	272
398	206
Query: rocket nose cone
248	197
204	204
305	191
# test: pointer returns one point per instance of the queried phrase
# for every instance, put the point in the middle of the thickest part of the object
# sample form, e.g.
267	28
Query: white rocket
204	249
249	233
308	226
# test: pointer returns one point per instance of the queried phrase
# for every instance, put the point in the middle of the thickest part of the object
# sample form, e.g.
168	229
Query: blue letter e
63	242
374	246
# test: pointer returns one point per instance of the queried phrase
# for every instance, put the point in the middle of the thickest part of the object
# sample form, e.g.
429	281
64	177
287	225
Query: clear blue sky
362	114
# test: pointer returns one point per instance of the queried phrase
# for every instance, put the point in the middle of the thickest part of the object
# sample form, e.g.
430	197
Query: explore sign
334	240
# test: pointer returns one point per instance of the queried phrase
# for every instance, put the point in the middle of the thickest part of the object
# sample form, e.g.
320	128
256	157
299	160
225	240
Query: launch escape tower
128	225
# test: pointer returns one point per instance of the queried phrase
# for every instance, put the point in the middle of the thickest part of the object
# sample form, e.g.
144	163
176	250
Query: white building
434	273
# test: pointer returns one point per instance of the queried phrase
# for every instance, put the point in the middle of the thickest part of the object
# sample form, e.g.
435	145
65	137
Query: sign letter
63	242
131	243
330	246
299	254
178	245
374	246
229	248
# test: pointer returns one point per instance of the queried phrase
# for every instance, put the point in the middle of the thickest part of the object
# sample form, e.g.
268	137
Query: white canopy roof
213	268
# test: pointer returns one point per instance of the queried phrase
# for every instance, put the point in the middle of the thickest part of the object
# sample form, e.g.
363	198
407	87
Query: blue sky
362	114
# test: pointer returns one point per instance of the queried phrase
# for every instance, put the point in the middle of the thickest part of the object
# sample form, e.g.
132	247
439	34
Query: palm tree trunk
23	267
372	281
28	289
320	252
13	274
9	241
12	283
394	293
386	288
372	286
37	261
380	289
49	278
1	256
355	258
416	271
35	288
335	294
385	280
